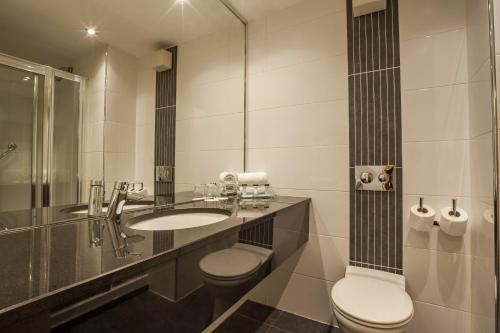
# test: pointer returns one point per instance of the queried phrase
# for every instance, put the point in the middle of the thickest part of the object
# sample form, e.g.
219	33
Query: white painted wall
298	133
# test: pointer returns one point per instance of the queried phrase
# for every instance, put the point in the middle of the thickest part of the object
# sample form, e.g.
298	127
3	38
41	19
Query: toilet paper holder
453	219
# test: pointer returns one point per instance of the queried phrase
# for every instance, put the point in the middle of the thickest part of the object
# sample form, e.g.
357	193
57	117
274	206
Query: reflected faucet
10	148
113	220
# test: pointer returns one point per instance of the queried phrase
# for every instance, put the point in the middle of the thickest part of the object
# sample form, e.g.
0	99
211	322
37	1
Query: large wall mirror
89	96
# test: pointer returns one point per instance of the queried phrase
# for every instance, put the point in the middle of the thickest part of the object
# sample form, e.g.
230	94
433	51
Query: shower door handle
10	148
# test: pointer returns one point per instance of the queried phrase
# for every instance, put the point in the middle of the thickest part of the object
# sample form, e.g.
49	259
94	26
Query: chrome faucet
118	200
113	220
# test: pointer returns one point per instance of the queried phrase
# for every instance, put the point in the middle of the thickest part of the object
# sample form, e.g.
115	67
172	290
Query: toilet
228	274
371	301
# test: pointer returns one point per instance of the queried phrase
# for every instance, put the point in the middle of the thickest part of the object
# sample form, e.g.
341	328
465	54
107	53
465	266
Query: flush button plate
374	177
164	173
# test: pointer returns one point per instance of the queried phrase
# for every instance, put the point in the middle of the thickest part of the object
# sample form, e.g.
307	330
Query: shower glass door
20	94
65	142
40	137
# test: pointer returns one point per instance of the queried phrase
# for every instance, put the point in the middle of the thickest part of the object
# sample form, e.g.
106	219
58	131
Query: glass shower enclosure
40	135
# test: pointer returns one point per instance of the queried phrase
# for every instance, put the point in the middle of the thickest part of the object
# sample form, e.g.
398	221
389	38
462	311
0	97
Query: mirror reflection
148	93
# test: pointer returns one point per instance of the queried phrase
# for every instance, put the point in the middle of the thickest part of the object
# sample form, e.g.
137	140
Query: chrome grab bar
10	148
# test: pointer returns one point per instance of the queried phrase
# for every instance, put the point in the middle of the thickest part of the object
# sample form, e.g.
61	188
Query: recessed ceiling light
91	31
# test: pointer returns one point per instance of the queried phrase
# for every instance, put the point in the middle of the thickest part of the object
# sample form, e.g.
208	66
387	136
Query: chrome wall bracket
374	177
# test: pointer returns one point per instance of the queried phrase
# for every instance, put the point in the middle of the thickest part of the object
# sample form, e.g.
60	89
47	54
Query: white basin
105	209
179	219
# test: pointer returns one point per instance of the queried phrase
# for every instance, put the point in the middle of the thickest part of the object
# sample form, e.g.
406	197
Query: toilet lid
372	300
230	264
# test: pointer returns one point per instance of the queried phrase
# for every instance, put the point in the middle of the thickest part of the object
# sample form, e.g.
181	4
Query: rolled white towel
252	178
227	176
223	175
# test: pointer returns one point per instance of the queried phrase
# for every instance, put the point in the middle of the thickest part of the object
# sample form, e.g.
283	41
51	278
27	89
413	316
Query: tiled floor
257	318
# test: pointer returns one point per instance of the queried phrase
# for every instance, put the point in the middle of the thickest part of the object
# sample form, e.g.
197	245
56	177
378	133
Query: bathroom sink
179	219
83	209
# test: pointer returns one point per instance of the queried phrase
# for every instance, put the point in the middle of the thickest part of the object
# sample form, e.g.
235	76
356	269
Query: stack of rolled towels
251	182
248	178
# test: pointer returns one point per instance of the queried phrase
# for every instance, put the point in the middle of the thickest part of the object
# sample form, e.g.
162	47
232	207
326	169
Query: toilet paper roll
422	221
451	224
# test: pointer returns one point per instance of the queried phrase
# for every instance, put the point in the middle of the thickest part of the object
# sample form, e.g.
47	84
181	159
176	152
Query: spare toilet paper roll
252	178
422	220
453	225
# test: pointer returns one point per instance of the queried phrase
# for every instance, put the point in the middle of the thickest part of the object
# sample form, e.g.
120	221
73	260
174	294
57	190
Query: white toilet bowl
371	301
229	273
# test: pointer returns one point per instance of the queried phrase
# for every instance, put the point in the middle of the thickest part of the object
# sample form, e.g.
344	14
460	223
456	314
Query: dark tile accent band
260	234
163	241
375	136
165	117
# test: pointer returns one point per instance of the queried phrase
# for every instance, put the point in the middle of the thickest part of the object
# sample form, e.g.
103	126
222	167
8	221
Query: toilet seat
373	298
230	264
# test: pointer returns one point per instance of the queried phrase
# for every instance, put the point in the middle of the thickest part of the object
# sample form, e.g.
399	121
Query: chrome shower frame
495	152
42	192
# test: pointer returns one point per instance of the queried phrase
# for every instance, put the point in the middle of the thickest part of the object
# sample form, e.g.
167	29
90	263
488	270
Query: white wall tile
119	137
302	125
188	170
480	101
433	61
317	81
120	107
439	113
210	133
329	211
482	285
323	257
438	278
322	168
431	318
478	37
325	36
210	99
438	168
303	12
434	16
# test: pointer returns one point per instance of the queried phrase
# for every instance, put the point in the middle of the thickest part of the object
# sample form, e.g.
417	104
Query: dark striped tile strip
162	241
375	136
165	117
260	234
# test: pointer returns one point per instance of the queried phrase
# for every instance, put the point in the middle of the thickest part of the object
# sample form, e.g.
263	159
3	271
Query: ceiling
57	27
255	9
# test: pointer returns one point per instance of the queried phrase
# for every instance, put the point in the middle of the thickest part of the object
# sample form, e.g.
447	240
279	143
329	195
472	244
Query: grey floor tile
295	324
259	312
241	324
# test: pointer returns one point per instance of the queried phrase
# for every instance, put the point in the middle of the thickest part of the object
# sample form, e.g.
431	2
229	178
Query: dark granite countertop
67	251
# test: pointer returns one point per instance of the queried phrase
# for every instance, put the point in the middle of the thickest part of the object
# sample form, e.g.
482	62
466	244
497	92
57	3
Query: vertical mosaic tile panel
375	136
165	110
260	234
